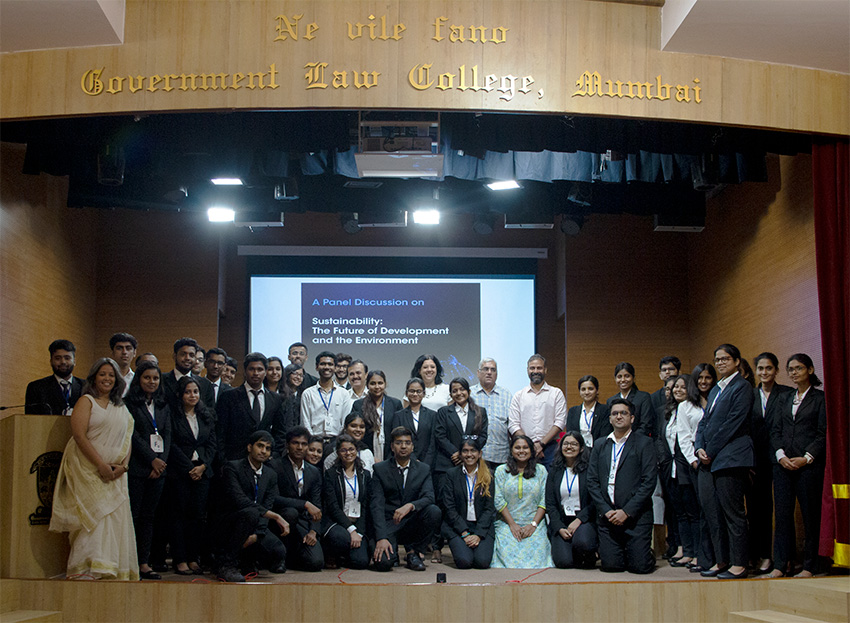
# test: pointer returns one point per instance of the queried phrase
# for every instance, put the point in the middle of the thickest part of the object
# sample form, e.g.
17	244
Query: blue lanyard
415	417
587	420
381	412
570	483
354	488
471	489
327	404
153	417
256	487
617	453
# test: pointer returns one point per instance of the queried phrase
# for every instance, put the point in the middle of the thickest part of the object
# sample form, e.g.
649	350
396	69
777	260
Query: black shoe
674	562
149	575
696	569
229	574
181	572
671	551
728	575
278	568
160	567
713	573
414	562
196	571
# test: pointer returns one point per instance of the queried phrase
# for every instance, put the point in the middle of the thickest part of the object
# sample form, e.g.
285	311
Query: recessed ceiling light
426	217
219	214
503	185
226	181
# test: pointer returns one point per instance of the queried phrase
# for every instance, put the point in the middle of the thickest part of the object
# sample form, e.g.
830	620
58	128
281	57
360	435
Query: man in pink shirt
539	411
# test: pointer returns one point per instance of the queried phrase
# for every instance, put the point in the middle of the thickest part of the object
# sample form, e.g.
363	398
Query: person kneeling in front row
248	491
402	505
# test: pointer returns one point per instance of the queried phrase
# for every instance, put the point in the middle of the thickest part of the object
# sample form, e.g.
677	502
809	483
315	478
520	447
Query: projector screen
389	321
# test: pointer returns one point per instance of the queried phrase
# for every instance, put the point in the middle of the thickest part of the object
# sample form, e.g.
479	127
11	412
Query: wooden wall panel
47	275
752	271
626	300
552	41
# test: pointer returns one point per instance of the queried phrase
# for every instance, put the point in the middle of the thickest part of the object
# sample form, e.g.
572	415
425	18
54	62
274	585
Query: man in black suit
248	492
298	354
57	393
248	408
402	505
214	363
184	360
300	502
621	477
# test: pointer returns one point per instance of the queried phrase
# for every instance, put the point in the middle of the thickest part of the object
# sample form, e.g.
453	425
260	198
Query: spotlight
571	225
426	217
484	223
350	224
219	214
227	181
287	190
503	185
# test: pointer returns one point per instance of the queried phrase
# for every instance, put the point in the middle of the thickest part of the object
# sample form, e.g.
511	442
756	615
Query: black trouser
731	486
760	511
337	542
686	507
187	505
145	494
671	518
234	529
715	547
627	547
414	532
579	551
478	557
299	555
805	485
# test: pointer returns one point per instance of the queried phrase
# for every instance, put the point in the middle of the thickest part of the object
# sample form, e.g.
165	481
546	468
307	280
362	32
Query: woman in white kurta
91	500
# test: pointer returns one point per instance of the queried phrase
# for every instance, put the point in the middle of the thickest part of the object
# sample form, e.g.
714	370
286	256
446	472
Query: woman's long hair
200	409
288	392
136	395
473	408
117	391
485	477
583	458
625	365
699	369
691	389
418	366
282	380
358	463
530	467
806	361
370	411
348	420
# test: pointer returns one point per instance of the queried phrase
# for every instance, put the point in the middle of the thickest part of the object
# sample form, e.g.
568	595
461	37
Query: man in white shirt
497	400
357	371
539	411
123	347
324	405
342	361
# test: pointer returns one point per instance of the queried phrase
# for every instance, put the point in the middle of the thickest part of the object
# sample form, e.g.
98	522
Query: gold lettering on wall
315	77
591	83
92	82
468	34
355	31
419	77
288	28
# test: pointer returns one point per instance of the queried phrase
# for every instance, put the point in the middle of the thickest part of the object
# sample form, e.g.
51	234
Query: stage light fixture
350	222
483	224
227	181
571	225
503	185
220	214
426	217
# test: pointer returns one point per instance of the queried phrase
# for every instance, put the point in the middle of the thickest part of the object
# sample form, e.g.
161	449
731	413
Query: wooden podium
31	448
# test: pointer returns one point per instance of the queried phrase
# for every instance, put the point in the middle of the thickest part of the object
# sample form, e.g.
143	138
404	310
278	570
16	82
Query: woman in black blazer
569	507
468	511
188	478
151	445
624	376
449	431
378	410
798	438
345	495
590	418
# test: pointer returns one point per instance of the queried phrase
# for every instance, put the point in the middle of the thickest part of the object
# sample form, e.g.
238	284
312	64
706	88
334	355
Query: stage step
32	616
825	599
769	616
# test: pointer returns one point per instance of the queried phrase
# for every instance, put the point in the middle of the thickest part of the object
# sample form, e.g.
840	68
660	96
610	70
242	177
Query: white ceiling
806	33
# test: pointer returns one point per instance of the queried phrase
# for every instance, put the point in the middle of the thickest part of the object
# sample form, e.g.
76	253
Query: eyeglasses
571	444
796	368
347	451
725	359
487	369
469	438
415	392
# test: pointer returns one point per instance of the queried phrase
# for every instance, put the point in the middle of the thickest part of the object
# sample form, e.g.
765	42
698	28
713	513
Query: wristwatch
534	523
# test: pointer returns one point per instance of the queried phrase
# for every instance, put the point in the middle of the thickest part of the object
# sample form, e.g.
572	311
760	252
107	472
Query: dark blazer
333	498
391	405
804	433
44	396
184	445
644	413
236	422
453	499
424	445
309	381
635	479
724	430
142	455
237	489
169	388
600	425
761	421
555	510
662	449
388	492
288	496
657	399
448	434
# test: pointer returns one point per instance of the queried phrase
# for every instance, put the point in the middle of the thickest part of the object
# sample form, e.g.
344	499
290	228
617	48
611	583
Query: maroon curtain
831	176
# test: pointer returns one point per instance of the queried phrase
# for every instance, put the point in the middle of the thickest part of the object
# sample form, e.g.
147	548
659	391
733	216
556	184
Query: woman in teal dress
520	500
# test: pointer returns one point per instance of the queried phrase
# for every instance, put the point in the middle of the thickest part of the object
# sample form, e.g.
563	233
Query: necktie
256	409
66	394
